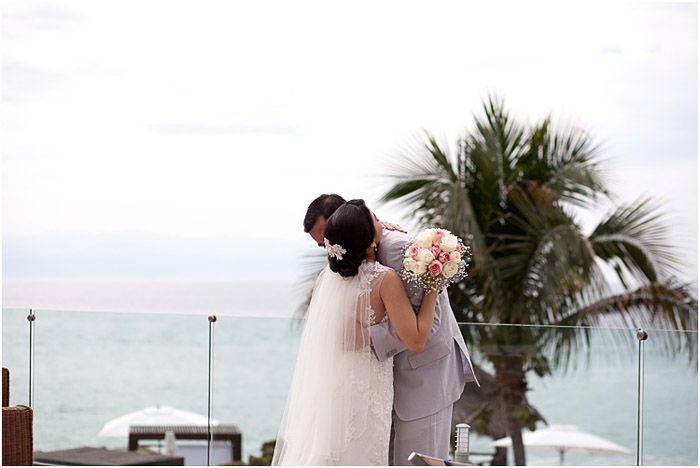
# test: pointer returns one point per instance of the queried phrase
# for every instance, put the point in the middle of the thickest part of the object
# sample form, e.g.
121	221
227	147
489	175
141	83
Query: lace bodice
371	275
380	390
370	271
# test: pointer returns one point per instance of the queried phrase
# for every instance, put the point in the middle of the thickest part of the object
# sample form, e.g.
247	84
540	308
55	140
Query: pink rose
435	249
435	268
413	250
437	237
458	248
444	257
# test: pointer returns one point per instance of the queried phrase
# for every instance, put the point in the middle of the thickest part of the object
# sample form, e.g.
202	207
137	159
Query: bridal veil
328	413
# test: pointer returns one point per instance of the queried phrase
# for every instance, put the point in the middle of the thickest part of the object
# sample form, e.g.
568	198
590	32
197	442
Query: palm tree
512	191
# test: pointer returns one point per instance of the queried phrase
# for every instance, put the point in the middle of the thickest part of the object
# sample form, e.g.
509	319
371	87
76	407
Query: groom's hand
393	227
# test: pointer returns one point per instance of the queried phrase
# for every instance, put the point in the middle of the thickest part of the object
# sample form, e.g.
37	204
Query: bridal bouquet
435	259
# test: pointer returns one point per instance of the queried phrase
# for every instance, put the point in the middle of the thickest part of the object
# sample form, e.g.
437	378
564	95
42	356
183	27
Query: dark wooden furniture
230	433
102	456
17	431
5	387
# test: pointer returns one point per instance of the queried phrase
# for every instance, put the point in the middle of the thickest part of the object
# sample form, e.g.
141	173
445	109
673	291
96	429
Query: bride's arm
413	329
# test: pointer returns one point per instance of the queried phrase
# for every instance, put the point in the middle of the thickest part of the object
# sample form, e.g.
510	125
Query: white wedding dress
340	400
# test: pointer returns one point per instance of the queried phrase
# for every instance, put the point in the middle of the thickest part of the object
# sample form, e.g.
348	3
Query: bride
340	401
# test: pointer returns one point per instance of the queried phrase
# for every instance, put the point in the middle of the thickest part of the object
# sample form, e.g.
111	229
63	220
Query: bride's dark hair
351	227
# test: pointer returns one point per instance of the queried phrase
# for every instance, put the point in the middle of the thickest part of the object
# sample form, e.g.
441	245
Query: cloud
22	19
41	14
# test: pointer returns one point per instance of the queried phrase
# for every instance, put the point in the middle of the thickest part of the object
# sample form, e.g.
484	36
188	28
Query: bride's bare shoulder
391	278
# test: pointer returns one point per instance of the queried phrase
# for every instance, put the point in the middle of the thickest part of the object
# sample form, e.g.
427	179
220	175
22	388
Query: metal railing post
31	318
212	319
641	337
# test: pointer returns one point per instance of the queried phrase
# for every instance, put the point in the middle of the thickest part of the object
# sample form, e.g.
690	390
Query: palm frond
492	149
633	239
567	160
409	190
667	305
667	310
313	263
548	261
498	132
431	189
420	172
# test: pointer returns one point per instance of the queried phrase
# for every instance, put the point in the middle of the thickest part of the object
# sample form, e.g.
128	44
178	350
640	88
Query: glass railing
670	398
576	379
254	361
16	353
93	367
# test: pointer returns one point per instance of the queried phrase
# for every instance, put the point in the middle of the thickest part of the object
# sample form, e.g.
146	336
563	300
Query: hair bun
352	227
348	266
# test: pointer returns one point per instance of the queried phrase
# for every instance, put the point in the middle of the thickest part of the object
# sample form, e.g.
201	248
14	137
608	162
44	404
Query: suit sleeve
385	343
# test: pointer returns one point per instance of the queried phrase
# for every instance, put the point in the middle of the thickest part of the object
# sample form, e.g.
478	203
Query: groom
426	384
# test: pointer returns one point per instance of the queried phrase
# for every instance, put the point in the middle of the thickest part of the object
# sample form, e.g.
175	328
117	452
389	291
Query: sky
162	139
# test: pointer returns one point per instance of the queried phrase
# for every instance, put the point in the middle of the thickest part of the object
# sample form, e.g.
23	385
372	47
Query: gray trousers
429	436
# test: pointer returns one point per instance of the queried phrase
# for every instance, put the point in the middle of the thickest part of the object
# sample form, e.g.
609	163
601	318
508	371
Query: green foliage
526	417
481	422
265	459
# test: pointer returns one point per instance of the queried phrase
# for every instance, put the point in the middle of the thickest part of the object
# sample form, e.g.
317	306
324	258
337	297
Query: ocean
104	348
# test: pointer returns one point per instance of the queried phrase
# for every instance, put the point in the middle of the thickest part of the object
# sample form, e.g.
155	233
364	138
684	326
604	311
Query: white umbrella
153	416
563	438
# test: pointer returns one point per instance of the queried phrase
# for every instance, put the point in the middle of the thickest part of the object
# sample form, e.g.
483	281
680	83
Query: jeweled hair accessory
334	250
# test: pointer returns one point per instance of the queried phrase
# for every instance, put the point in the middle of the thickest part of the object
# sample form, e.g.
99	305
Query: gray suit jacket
425	382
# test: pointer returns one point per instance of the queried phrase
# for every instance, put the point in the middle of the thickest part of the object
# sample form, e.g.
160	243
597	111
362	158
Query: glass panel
15	353
92	367
253	365
575	376
670	398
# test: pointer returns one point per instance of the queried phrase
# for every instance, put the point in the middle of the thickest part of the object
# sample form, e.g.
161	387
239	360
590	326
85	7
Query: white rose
425	256
411	265
449	243
449	269
425	239
455	257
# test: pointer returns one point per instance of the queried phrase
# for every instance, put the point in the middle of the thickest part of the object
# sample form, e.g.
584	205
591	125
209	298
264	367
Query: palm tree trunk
510	379
500	458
